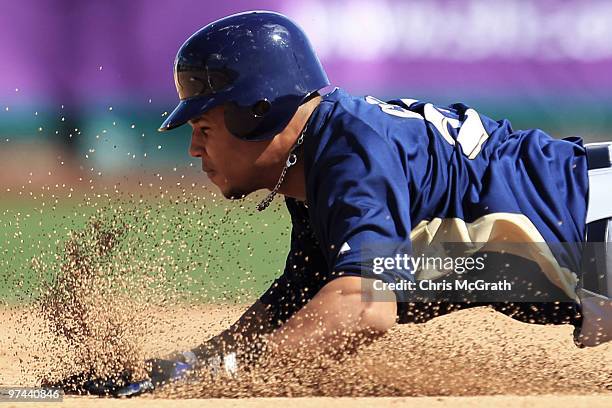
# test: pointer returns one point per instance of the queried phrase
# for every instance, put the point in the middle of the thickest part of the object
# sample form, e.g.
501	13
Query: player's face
230	163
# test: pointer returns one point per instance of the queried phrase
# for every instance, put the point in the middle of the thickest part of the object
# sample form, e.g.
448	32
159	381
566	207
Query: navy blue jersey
402	175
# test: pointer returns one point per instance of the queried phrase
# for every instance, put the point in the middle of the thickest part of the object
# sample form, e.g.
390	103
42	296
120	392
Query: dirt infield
474	357
545	401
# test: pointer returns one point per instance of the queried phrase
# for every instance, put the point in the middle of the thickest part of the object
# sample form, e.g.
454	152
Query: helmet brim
187	110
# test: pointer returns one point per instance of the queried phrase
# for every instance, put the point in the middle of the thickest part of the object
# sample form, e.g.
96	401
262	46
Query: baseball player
364	180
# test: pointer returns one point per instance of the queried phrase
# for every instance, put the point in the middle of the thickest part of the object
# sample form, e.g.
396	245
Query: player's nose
195	148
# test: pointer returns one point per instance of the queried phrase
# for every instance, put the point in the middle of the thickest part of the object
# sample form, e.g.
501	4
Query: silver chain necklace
291	160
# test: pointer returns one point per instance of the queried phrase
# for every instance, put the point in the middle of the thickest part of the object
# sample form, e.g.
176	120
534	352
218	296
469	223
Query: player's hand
160	372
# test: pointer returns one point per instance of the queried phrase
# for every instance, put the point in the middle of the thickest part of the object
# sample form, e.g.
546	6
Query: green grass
216	250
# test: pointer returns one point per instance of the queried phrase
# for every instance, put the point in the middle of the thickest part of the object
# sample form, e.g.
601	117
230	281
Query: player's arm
337	319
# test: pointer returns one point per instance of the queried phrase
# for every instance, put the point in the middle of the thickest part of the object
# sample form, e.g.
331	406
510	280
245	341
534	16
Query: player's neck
294	184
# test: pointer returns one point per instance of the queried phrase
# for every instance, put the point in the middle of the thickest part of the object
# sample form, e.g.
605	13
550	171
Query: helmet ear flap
262	120
242	121
261	108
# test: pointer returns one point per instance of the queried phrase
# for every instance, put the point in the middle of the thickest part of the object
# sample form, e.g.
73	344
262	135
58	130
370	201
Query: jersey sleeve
359	197
305	270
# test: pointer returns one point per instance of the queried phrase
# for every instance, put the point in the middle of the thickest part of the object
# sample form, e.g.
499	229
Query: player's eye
204	130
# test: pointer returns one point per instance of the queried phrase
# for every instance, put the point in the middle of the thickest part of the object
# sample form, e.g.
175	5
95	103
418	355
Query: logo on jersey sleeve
344	248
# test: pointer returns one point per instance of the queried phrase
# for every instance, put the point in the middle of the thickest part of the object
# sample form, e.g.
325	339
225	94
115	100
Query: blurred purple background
95	49
84	65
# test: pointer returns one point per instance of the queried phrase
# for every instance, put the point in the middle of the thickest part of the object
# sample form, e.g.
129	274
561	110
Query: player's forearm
337	319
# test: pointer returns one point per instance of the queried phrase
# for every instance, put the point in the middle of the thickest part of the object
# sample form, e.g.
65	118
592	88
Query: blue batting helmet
258	64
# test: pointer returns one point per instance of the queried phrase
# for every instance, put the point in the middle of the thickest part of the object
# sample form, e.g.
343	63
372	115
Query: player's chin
231	190
233	193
